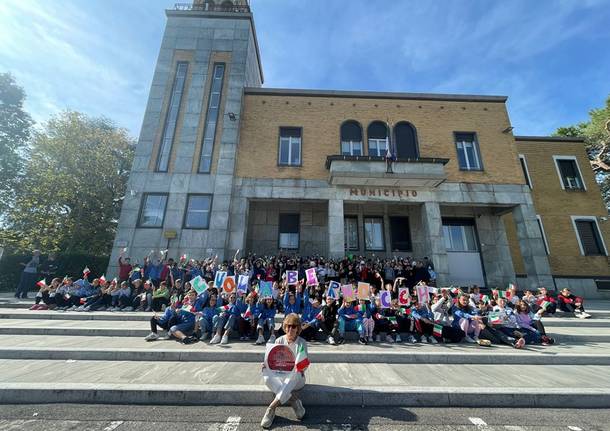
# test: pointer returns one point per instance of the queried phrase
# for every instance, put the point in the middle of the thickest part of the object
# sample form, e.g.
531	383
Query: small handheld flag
301	361
320	315
102	279
494	318
438	330
86	271
248	313
41	283
223	308
545	304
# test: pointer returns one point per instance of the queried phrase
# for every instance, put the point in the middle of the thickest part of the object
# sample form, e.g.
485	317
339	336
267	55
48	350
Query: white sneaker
423	339
152	337
389	339
580	315
128	309
586	315
298	408
81	308
260	340
398	339
411	339
272	339
332	341
215	339
268	418
432	340
469	340
378	338
224	339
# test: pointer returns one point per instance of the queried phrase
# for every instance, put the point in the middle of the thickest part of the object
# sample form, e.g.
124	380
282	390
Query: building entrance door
465	265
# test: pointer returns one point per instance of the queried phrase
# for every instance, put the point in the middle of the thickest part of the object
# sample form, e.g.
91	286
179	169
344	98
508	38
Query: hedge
71	265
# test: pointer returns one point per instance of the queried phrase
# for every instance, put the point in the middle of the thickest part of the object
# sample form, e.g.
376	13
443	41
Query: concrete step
352	384
136	349
140	316
563	334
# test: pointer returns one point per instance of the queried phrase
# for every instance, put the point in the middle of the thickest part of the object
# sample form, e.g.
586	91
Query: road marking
478	422
232	423
113	425
573	428
514	428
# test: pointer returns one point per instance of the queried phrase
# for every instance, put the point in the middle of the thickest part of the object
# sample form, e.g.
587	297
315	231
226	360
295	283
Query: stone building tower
179	191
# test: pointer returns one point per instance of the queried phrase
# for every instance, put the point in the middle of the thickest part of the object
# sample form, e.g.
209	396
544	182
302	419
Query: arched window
377	134
351	138
406	141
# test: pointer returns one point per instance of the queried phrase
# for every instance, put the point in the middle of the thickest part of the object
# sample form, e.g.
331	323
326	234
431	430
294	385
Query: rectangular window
350	227
468	154
459	235
400	233
211	119
589	238
289	231
569	173
152	211
541	227
526	172
373	234
378	147
171	120
290	146
197	215
351	148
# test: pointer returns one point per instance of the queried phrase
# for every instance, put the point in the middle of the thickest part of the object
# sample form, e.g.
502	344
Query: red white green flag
494	318
102	279
438	330
223	308
302	361
248	312
41	283
545	304
320	315
86	271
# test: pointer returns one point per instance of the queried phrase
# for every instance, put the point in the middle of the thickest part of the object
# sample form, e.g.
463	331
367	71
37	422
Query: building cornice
550	138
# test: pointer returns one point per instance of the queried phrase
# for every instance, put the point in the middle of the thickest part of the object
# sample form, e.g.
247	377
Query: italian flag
102	279
302	361
41	283
361	308
319	315
485	299
438	330
393	320
495	318
503	294
223	308
454	290
405	311
545	304
248	313
86	271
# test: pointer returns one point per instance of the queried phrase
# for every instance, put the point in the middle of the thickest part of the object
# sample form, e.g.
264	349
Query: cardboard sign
347	290
331	292
403	296
228	284
385	299
242	283
219	279
199	284
265	289
364	290
422	293
432	290
312	278
292	277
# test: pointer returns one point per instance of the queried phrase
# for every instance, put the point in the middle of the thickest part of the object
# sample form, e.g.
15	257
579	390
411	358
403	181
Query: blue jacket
266	313
366	313
169	313
208	314
241	305
154	271
184	316
347	311
459	313
422	313
86	289
292	308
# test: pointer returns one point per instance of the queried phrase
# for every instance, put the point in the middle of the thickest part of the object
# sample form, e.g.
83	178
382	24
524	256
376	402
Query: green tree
15	129
596	132
74	183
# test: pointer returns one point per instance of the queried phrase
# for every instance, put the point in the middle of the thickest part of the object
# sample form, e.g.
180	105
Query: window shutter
589	238
289	223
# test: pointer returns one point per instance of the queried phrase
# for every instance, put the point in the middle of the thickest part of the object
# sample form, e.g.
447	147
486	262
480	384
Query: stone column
336	232
495	252
433	238
532	248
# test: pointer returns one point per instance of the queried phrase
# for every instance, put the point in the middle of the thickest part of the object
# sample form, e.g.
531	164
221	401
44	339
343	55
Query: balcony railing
213	7
374	171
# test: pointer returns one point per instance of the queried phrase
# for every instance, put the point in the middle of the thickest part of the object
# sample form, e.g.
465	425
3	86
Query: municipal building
223	163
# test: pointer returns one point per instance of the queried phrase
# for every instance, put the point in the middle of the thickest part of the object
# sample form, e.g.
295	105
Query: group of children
390	312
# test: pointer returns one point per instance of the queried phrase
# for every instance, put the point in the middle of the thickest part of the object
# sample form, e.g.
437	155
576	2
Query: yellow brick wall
555	206
321	118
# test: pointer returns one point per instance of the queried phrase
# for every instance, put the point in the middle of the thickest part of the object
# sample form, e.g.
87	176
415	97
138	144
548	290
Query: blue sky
549	57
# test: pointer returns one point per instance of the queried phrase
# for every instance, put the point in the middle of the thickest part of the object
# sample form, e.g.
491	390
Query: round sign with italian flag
280	358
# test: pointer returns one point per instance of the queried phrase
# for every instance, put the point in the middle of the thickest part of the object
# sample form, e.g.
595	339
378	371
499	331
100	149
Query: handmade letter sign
199	284
265	289
364	290
422	293
312	278
334	285
292	277
347	290
228	284
403	296
219	279
331	292
385	298
242	284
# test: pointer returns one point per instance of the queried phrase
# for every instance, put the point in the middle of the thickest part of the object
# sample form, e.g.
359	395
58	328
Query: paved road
61	417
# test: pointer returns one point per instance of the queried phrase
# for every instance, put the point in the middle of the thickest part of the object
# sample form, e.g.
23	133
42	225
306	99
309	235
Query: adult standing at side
28	276
292	328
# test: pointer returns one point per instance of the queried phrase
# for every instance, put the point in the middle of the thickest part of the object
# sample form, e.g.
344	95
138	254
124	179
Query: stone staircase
101	357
